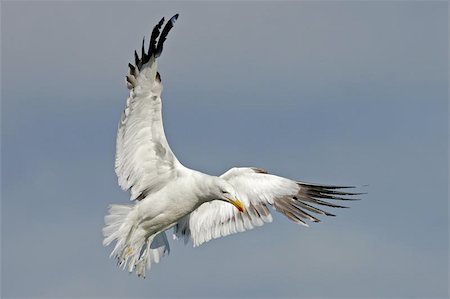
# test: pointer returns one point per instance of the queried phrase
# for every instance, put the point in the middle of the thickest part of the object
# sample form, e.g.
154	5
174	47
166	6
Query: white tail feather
133	246
115	223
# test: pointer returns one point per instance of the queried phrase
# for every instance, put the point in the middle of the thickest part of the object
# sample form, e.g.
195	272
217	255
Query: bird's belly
157	214
157	224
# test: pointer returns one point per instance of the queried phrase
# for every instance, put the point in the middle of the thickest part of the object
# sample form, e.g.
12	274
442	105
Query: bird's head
224	191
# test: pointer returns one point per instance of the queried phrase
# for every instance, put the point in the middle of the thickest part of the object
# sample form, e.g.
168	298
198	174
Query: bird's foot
142	262
128	251
141	265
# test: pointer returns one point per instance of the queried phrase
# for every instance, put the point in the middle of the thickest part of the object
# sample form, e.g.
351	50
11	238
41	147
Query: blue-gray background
329	92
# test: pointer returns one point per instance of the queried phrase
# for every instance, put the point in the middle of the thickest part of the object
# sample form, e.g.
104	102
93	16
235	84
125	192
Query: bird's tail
133	247
118	226
121	227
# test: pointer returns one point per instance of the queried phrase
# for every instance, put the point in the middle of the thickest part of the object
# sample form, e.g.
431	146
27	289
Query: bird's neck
205	186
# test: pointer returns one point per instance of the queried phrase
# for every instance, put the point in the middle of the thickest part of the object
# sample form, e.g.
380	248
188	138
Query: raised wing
144	161
257	190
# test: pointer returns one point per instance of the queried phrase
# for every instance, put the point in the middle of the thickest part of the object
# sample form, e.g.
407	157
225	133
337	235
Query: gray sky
328	92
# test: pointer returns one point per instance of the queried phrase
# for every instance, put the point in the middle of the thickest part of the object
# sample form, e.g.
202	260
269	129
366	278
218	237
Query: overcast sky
327	92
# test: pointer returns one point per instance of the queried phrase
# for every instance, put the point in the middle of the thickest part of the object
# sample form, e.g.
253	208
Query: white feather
167	194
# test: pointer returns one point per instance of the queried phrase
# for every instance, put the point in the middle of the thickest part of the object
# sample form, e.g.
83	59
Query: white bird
199	207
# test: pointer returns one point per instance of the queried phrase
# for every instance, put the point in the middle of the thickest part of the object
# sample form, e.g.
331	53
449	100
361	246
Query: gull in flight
166	195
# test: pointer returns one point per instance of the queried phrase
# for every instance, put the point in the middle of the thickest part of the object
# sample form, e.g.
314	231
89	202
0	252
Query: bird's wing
257	190
144	161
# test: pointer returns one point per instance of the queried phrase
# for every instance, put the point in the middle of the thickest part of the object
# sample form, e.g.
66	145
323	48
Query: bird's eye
224	192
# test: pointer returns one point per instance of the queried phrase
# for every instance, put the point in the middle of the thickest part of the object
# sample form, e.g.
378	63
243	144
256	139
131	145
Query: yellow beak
238	204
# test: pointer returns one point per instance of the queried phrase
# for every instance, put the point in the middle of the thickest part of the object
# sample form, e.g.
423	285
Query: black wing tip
155	47
324	195
325	186
330	190
169	25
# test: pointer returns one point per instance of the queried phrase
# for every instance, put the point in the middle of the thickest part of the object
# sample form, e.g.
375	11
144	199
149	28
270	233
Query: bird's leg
141	264
126	250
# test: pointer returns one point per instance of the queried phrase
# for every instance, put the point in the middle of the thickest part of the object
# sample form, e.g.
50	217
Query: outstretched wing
257	190
144	161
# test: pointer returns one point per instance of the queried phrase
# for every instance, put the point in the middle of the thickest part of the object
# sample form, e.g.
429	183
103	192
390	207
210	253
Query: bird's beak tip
238	204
